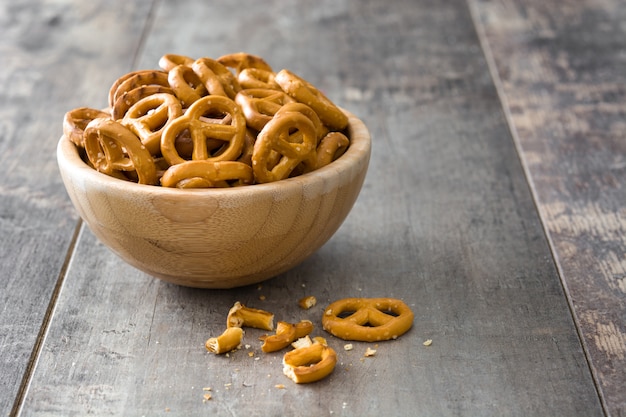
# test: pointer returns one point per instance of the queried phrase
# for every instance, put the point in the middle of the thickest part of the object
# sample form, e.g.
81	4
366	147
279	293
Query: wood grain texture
562	68
51	53
445	222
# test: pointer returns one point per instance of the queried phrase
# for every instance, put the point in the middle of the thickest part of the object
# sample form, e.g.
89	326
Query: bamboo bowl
218	238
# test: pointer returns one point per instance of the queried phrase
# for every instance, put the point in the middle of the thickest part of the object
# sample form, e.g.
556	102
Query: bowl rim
68	159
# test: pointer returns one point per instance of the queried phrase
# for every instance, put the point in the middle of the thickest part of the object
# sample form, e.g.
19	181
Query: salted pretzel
332	146
127	99
286	333
150	116
320	129
186	84
75	121
207	174
305	92
135	79
216	77
275	136
309	363
111	147
241	60
257	78
367	319
201	129
169	61
248	147
260	104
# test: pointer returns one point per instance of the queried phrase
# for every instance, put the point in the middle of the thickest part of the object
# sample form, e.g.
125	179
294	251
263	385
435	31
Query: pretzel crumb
370	352
428	342
206	397
307	302
348	346
279	386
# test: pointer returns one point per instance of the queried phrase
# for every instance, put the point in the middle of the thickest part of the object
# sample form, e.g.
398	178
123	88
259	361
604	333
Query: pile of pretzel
198	123
359	319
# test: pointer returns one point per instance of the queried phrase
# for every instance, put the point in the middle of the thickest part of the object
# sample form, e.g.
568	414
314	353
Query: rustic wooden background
494	206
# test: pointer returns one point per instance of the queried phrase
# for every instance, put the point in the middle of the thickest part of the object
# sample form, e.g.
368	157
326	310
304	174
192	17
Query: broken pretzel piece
286	333
310	363
242	316
227	341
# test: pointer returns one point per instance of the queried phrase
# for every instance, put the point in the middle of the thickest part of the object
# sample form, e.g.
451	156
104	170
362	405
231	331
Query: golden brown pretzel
306	93
75	121
260	104
241	60
169	61
332	146
186	84
202	129
216	77
310	363
135	79
368	319
320	129
248	147
127	99
111	147
204	174
150	116
257	78
275	136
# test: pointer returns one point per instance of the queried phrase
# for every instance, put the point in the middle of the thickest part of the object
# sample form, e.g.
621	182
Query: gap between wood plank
43	330
493	72
144	33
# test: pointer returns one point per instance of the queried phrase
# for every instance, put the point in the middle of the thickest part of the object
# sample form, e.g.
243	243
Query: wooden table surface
494	206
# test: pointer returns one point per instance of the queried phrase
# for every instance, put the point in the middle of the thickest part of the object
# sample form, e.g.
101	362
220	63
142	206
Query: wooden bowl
218	238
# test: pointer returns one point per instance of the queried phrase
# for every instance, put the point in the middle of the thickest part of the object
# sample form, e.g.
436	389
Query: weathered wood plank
562	69
445	221
52	54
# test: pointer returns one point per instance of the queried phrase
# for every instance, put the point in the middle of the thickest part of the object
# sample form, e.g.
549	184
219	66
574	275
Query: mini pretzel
257	78
186	84
286	333
75	121
227	341
169	61
207	174
332	146
308	364
275	136
248	147
306	93
260	104
369	319
241	60
202	129
242	316
111	147
136	79
216	77
150	116
127	99
320	129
